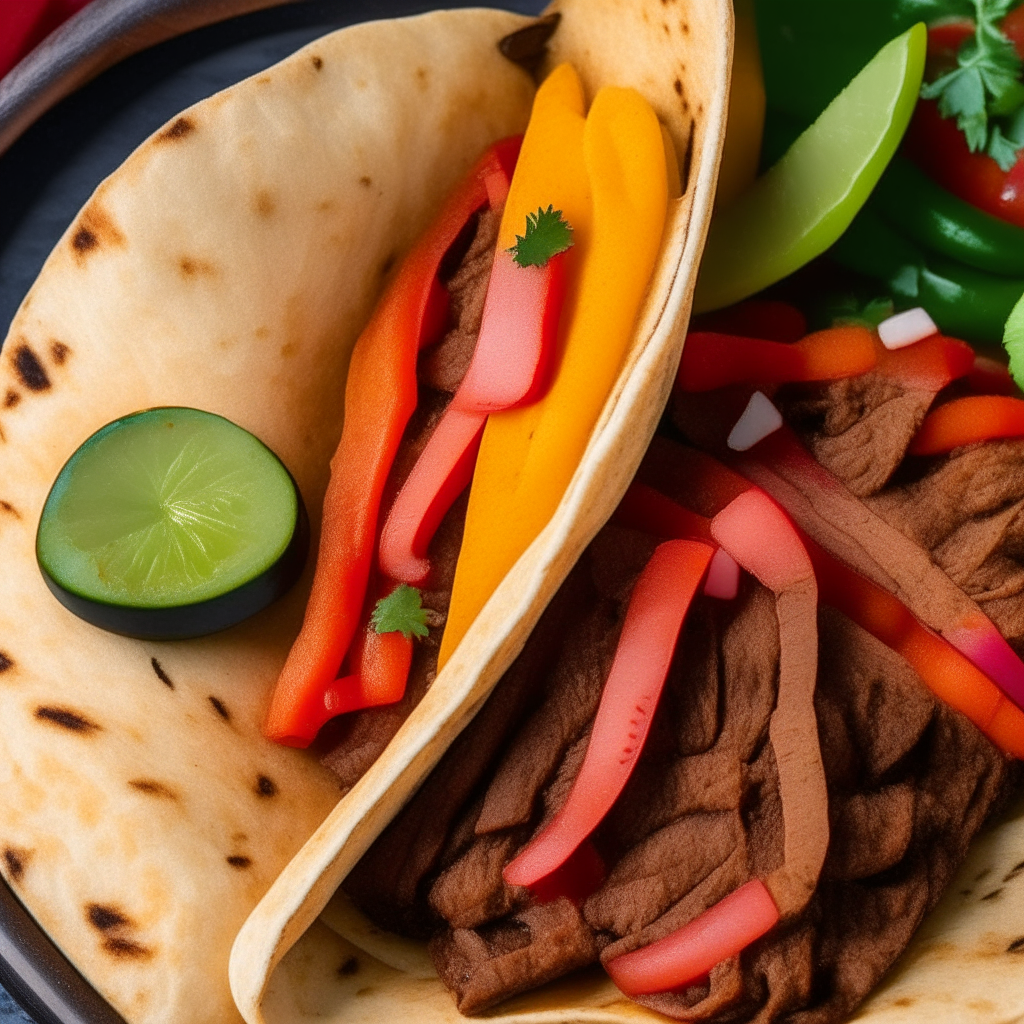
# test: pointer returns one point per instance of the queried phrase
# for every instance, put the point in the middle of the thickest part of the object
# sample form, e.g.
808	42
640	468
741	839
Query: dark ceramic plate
55	151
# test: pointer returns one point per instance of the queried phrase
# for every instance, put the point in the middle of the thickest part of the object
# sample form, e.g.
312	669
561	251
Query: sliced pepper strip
756	318
687	954
968	421
380	396
759	535
441	473
645	509
528	456
711	361
657	608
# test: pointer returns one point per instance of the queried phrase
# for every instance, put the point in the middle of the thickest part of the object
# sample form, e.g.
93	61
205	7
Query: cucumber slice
803	204
171	523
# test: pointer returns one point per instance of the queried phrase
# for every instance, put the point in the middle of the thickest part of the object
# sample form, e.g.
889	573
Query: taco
141	834
823	752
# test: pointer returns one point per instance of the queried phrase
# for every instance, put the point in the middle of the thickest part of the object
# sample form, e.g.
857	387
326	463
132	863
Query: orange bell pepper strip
711	360
657	608
608	176
380	396
968	421
689	953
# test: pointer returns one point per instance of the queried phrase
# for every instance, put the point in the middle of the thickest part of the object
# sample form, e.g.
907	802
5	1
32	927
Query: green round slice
802	205
171	523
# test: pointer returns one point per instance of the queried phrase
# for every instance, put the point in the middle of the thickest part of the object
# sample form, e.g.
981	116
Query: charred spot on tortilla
64	718
349	967
684	171
106	918
196	267
366	181
318	62
9	509
678	86
161	674
11	399
6	664
265	786
528	45
1017	946
59	352
178	129
153	788
220	707
84	240
1016	870
29	370
239	862
993	895
125	949
96	229
264	203
16	860
388	263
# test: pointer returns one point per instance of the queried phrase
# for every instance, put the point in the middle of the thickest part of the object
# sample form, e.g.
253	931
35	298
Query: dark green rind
185	622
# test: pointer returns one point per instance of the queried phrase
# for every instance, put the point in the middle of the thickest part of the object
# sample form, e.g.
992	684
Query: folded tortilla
677	53
229	265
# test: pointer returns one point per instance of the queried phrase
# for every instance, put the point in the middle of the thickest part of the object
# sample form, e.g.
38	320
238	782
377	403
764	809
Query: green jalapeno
962	300
938	220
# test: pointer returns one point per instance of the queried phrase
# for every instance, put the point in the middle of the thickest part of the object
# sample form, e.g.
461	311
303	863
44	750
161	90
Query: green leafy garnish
546	235
984	92
402	612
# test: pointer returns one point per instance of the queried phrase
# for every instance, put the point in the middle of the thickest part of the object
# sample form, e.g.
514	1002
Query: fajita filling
906	781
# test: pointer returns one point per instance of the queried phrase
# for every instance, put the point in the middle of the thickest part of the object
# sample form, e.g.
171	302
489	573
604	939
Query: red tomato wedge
968	421
712	360
657	608
687	954
514	353
441	473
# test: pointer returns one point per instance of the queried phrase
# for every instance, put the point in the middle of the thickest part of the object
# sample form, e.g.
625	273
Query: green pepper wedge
963	301
938	220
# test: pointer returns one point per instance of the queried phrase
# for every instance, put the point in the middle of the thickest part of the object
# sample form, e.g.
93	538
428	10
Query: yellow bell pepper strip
380	396
609	178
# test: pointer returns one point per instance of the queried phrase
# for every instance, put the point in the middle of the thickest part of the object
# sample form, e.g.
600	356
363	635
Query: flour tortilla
229	264
677	53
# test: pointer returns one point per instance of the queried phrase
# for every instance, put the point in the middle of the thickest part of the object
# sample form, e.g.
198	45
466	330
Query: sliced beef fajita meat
348	745
909	784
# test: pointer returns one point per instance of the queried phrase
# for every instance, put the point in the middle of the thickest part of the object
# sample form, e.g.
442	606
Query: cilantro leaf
984	86
402	612
546	235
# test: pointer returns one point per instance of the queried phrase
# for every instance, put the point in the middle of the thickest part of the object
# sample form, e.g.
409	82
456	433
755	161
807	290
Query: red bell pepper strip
687	954
511	366
991	377
657	608
441	473
645	509
968	421
929	364
944	670
514	353
575	880
723	579
380	396
756	318
712	361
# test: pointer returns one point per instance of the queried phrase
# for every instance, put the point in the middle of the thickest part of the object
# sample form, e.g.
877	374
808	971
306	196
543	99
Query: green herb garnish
546	235
402	612
984	92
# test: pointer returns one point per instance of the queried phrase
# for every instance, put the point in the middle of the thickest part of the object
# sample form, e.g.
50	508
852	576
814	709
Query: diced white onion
759	419
907	327
723	576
